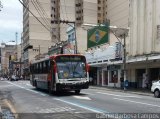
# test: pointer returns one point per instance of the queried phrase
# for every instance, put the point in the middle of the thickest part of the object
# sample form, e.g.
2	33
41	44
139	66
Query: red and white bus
60	73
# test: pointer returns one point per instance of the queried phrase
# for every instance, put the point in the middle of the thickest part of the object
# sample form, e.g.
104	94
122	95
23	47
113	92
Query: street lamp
121	33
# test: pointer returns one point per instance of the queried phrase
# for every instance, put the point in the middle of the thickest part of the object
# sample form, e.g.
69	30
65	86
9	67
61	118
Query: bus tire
49	88
77	92
35	83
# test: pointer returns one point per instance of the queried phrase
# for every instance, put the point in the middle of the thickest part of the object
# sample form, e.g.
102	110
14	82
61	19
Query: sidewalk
145	92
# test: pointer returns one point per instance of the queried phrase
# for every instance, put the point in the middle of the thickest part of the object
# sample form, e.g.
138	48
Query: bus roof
53	57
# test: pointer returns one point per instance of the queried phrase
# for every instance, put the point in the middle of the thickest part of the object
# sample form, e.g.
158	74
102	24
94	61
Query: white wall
118	12
144	18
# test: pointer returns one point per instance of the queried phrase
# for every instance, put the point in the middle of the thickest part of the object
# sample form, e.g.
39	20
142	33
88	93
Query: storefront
108	75
93	75
141	74
114	75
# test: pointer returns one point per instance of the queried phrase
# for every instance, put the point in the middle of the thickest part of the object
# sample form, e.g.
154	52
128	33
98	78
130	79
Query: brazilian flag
97	36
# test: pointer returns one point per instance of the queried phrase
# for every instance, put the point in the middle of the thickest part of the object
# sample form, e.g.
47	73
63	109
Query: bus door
52	74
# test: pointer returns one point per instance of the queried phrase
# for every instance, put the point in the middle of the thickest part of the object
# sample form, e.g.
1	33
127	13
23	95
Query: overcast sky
10	20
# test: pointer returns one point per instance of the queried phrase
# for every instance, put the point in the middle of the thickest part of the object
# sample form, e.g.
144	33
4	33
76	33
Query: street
27	100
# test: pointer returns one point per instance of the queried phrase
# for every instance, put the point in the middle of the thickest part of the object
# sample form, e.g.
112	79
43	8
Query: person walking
114	80
146	81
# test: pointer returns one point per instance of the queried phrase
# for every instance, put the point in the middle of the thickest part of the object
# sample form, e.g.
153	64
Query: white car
156	89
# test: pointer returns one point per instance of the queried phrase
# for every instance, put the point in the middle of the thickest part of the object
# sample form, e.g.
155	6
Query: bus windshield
71	69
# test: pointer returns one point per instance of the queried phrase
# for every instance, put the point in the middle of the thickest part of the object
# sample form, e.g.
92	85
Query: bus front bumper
71	86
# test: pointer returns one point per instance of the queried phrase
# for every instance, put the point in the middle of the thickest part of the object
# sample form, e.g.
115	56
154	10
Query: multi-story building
82	12
36	29
7	55
108	70
144	44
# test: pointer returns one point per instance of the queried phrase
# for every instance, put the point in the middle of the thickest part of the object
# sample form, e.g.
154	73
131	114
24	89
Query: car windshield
71	70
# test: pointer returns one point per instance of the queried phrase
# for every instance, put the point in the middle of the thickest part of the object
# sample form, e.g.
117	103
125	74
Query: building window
99	1
99	8
99	14
78	5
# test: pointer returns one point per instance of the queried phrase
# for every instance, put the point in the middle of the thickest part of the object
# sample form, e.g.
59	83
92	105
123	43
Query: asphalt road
29	102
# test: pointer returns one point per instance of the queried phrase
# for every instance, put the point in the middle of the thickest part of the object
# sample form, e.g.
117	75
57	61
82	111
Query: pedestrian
114	80
146	81
143	81
122	82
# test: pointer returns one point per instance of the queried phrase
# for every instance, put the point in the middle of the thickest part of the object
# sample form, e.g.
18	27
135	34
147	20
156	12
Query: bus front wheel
77	91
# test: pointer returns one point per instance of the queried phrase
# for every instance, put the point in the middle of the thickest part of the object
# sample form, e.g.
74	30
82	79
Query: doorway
105	78
139	77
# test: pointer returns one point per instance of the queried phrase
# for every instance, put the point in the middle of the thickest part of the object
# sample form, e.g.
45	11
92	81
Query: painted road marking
56	110
28	84
82	97
119	95
28	89
88	93
96	110
82	106
137	102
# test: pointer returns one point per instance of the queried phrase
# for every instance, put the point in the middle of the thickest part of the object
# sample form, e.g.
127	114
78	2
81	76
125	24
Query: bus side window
44	67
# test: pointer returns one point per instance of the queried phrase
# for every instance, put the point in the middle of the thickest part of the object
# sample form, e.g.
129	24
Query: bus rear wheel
77	91
49	88
35	84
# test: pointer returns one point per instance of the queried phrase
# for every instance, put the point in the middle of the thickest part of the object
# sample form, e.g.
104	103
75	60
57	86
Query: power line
61	9
65	9
34	15
41	8
39	12
43	11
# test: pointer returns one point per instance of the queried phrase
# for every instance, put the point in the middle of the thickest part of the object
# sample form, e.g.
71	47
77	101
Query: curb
127	91
12	109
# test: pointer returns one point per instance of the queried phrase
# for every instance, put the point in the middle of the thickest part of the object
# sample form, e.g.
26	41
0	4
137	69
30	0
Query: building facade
144	44
36	36
82	12
8	55
106	60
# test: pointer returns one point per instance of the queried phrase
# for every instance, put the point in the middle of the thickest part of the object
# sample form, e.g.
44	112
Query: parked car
156	88
14	78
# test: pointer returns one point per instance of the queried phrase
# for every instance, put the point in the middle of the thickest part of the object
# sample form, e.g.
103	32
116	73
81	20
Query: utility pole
68	23
16	45
16	34
39	51
124	60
